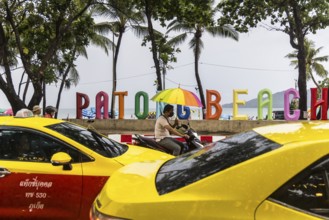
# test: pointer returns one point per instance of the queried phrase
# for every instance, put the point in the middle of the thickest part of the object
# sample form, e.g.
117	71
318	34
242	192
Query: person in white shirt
163	131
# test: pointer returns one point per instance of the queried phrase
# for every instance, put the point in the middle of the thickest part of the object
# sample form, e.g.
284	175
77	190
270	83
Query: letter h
316	103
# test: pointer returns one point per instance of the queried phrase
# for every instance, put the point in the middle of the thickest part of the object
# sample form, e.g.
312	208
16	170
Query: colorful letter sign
121	103
145	97
213	104
316	103
268	102
81	98
183	112
102	102
237	102
296	113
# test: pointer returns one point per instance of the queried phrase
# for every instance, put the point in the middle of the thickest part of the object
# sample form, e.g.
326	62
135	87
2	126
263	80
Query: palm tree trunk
296	33
115	61
61	87
59	95
44	96
197	76
148	13
301	60
26	88
314	81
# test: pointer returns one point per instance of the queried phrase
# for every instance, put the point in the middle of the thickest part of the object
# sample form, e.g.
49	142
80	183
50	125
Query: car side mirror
63	159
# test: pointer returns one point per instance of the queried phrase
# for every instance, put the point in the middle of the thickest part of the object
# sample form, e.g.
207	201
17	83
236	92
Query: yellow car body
63	180
273	172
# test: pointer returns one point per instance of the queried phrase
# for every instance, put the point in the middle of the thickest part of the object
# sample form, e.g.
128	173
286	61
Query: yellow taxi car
54	169
273	172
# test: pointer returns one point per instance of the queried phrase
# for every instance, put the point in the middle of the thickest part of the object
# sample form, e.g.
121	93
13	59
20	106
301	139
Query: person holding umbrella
163	131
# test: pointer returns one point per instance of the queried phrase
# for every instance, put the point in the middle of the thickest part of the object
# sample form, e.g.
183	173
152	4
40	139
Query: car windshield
90	139
214	158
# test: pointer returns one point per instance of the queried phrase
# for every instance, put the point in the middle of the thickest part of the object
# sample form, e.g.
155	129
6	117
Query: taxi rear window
91	139
214	158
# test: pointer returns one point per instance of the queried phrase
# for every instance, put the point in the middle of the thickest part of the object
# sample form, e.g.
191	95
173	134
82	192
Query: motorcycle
192	143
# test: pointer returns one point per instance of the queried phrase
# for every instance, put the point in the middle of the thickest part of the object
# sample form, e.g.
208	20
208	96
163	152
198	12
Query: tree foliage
120	16
196	19
39	35
297	18
313	62
166	10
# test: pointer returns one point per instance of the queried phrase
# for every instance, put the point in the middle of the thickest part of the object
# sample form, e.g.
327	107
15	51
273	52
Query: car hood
136	154
129	181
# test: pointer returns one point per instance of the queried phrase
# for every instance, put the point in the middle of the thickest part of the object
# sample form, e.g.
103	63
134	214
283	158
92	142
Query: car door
306	196
30	185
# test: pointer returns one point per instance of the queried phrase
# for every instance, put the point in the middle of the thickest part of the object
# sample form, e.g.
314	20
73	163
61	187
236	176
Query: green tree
68	75
163	11
313	62
150	8
297	18
197	26
37	31
166	51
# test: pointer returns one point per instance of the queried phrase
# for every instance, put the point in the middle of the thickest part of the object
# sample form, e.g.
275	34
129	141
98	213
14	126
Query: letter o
145	105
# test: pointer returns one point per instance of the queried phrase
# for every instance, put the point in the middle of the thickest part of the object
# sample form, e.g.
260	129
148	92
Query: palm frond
320	70
223	31
171	24
294	63
104	11
181	27
73	78
74	75
179	39
292	55
102	42
105	27
321	59
82	51
139	31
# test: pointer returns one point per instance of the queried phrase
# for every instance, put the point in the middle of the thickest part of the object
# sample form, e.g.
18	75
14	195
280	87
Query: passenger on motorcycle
163	131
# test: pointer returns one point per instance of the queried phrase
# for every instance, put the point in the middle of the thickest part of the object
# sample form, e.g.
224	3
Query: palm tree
122	15
196	43
70	75
313	64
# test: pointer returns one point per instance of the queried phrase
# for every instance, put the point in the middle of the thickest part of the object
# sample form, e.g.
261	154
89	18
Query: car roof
36	122
293	132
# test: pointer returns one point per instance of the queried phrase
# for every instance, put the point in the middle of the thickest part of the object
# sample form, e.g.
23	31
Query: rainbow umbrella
178	96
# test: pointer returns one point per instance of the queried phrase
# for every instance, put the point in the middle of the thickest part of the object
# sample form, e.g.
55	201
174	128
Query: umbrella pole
164	77
159	107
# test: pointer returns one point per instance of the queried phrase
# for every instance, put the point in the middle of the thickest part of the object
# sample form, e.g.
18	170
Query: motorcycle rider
163	131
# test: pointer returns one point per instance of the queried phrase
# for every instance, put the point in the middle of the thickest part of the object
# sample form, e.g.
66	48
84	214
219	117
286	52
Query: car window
307	192
23	145
90	139
193	166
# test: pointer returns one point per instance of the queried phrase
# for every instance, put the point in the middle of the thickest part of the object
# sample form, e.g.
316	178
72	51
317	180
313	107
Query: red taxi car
53	169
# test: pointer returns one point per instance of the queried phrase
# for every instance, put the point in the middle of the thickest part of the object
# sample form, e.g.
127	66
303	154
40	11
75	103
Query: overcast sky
255	62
